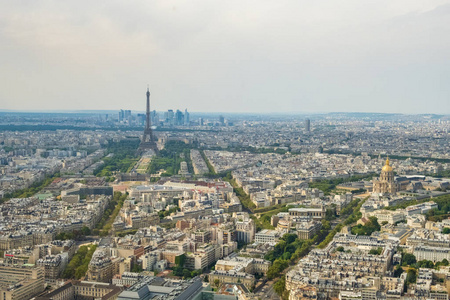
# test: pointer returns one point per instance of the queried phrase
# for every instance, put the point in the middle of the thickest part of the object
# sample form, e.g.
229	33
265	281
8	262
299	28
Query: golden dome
387	167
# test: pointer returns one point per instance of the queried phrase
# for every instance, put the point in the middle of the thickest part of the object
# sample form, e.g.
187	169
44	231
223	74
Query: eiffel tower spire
148	141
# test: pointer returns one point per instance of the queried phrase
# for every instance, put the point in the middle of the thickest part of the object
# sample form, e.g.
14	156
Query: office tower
170	117
308	125
179	118
186	117
221	120
141	119
154	118
148	141
121	115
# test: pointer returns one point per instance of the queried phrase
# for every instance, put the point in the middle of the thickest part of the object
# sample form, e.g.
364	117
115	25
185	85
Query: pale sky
226	56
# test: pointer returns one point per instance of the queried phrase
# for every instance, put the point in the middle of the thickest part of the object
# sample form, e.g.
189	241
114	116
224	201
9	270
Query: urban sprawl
224	207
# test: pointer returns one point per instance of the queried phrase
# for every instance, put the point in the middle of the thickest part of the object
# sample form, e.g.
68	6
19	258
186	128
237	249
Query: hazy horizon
281	113
259	57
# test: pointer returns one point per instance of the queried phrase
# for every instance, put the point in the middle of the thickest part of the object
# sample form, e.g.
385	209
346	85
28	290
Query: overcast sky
226	56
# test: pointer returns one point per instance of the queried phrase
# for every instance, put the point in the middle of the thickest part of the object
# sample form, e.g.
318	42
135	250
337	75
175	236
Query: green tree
289	238
122	157
280	285
398	271
368	228
216	282
376	251
411	276
330	214
80	272
85	230
408	259
424	264
137	268
186	273
177	271
78	265
277	267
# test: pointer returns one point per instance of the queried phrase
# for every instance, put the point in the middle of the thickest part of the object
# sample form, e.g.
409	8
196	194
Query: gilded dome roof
387	167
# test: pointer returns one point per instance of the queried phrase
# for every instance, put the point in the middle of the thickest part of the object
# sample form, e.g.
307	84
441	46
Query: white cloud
226	56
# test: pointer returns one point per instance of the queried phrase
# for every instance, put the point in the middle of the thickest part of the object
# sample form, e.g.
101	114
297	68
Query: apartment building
21	282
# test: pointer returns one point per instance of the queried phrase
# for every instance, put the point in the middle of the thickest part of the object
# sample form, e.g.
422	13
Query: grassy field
122	157
143	164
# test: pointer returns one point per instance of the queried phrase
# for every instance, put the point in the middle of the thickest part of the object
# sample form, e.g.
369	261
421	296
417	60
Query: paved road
271	294
87	240
266	292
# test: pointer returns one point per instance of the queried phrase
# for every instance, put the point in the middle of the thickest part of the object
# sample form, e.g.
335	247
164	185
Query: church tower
385	184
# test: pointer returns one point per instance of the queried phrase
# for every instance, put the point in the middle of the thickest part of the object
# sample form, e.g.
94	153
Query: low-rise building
313	212
267	236
84	290
306	230
434	254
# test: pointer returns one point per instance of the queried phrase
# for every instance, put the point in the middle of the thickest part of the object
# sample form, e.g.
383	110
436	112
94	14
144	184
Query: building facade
385	184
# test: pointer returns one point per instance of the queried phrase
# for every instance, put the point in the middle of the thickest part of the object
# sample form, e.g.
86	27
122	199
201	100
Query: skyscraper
170	117
121	115
186	117
148	141
154	118
308	125
179	118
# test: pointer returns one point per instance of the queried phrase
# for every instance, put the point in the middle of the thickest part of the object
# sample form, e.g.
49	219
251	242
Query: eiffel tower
148	141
